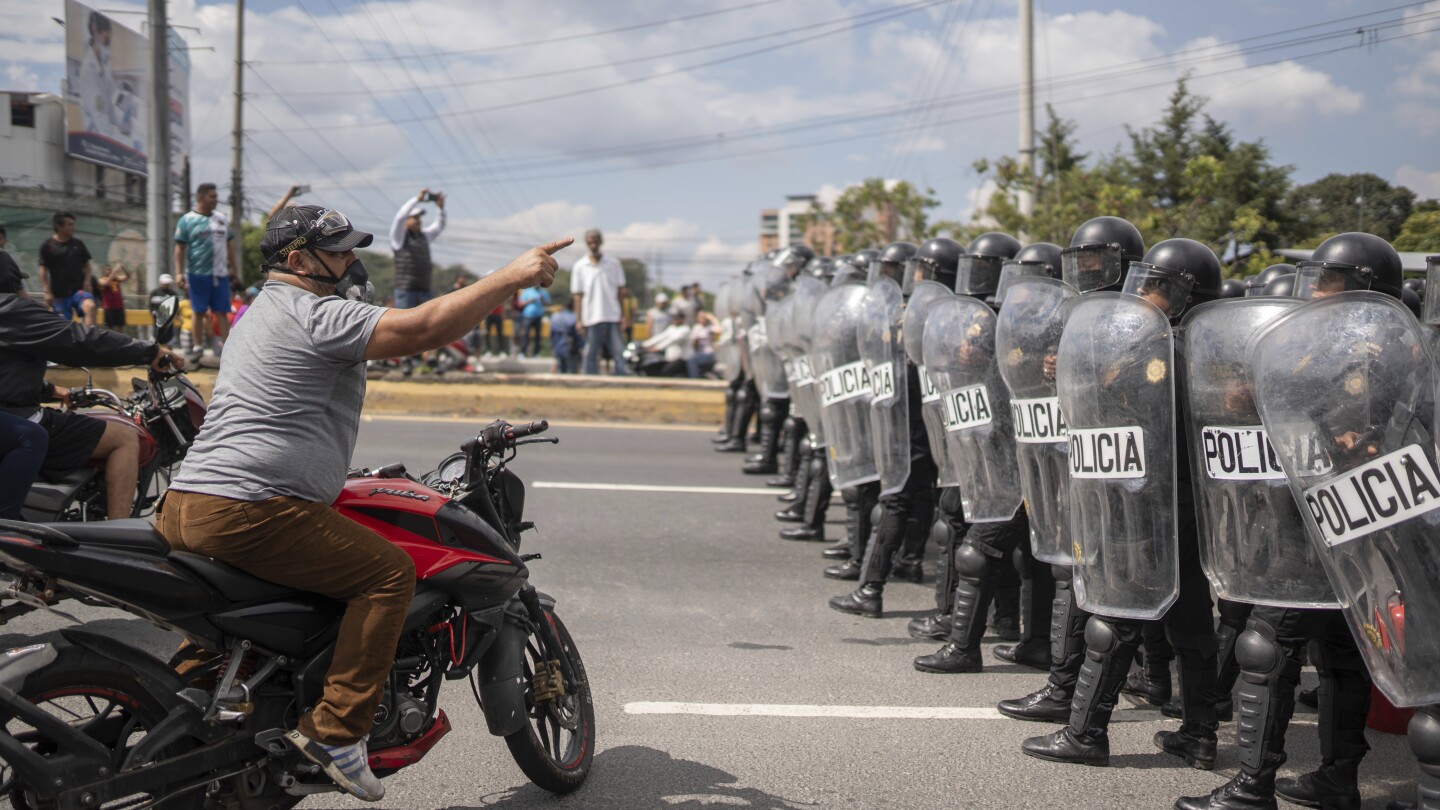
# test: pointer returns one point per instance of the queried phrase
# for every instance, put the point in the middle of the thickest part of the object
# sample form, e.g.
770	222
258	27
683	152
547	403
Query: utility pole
157	214
237	133
1026	196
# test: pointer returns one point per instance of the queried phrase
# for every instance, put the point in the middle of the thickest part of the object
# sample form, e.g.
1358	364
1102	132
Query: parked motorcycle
165	409
93	720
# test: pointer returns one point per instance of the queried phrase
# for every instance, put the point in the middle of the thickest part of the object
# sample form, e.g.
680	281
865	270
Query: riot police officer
1269	651
805	455
907	507
1123	421
771	285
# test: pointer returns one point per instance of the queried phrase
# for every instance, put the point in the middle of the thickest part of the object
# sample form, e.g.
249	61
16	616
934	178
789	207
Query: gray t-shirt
286	409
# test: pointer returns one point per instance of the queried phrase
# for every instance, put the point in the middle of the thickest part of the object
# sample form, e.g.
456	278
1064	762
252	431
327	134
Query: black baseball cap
297	223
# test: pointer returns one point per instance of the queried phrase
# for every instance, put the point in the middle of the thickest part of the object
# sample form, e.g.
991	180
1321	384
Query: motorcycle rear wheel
557	745
89	691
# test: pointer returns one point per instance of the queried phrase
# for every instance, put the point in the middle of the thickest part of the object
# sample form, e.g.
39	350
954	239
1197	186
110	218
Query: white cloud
921	145
1425	184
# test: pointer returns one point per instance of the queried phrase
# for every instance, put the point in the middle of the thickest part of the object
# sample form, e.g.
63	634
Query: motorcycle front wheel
558	743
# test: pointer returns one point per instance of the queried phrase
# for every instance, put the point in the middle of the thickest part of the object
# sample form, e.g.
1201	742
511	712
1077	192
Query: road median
511	396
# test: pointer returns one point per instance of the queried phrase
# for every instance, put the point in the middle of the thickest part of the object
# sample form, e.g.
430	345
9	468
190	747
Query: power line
552	40
889	15
632	60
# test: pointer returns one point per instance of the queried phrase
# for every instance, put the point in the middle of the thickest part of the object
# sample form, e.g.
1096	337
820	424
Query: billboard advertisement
107	72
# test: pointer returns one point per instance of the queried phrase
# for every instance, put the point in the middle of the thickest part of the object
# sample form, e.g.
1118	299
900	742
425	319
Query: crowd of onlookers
589	333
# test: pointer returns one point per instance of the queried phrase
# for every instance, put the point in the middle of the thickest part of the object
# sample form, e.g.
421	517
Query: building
796	222
37	178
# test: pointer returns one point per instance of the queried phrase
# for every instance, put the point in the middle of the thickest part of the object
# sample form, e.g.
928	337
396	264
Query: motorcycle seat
132	535
49	494
229	581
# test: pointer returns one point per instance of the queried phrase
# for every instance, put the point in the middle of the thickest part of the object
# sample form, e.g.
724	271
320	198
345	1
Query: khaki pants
311	547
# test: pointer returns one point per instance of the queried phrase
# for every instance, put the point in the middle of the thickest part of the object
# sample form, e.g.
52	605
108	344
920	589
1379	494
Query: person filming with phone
410	239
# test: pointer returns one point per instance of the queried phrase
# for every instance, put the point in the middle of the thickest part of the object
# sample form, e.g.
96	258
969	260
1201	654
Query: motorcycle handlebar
500	434
539	426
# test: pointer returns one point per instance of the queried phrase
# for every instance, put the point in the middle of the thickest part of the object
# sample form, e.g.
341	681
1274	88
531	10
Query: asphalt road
690	598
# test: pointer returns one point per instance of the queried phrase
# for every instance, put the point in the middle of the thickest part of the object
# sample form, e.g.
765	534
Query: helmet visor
791	260
1165	288
1091	267
978	275
1324	279
1430	308
1013	271
916	271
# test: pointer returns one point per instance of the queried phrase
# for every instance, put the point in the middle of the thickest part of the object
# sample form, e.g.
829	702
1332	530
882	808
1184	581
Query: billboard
107	75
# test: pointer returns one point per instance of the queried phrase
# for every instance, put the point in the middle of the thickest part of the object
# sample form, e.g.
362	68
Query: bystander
205	253
597	282
532	319
112	295
565	339
65	271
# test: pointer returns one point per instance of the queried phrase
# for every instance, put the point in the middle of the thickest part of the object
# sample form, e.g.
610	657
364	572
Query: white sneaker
347	765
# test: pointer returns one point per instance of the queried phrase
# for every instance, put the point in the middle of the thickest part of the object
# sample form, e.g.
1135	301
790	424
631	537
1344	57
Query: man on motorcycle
30	335
256	488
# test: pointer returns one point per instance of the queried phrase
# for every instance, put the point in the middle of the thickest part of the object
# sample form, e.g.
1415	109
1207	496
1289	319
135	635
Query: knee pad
1100	635
876	513
1062	574
1256	650
1424	735
769	411
851	497
970	563
940	533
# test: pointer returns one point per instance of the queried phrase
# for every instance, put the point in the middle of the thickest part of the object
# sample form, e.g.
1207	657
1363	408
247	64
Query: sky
670	125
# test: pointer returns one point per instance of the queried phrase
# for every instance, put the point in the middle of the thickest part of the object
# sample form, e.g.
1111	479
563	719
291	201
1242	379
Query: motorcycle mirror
164	315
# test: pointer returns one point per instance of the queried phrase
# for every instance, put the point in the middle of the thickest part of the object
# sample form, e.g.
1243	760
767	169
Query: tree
1421	231
876	212
1352	202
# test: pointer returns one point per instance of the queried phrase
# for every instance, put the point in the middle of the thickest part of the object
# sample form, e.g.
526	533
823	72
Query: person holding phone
411	242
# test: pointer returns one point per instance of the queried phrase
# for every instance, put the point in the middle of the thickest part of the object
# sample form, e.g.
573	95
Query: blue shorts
209	293
69	306
409	299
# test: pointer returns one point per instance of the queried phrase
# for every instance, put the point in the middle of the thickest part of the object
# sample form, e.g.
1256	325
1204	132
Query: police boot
723	435
859	524
943	534
772	417
1007	614
811	509
1086	740
1245	791
1227	674
867	600
1067	653
967	623
1032	653
1334	786
1194	742
1050	704
794	434
795	512
935	627
745	404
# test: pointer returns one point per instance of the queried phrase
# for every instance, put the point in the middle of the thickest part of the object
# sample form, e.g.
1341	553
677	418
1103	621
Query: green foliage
1421	231
874	213
1347	202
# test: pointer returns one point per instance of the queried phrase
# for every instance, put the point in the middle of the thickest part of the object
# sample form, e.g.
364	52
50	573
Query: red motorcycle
93	720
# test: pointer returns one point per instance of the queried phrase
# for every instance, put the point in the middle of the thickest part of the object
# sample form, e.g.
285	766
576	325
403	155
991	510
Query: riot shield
1345	389
1115	382
960	358
765	363
1252	538
727	346
844	386
884	354
804	386
784	338
1027	339
917	310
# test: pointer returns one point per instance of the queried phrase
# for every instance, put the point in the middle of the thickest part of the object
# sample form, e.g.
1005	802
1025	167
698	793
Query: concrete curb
509	396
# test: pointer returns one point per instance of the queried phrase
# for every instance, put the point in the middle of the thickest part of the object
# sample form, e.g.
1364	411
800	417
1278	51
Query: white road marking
654	488
480	422
783	710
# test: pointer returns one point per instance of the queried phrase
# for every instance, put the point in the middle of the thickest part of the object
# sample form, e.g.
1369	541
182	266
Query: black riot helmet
1100	252
1350	261
846	271
1257	284
891	261
978	272
1234	288
1280	287
1174	275
1431	306
1040	259
821	267
793	258
1417	285
935	260
1411	300
863	258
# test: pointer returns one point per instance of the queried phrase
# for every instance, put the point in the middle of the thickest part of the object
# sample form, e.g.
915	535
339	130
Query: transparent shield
1345	388
1091	267
844	386
884	354
805	391
978	275
975	407
917	310
1252	538
1116	384
765	364
1027	340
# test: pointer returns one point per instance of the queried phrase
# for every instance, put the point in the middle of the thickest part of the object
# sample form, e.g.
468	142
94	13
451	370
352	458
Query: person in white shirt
95	84
658	318
676	344
597	283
